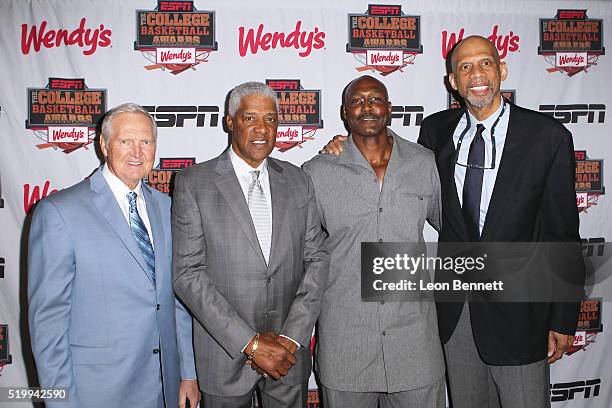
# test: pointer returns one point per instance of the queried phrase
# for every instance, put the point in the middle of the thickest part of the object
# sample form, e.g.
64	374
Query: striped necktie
142	236
258	207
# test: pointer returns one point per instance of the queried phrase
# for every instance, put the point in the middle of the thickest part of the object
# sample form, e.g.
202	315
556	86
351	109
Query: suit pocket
93	355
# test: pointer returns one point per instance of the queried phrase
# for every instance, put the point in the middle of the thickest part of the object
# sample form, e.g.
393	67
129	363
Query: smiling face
366	107
130	150
477	75
253	128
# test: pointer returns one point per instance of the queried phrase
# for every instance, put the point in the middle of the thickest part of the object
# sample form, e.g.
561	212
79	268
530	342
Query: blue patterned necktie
258	207
472	186
142	236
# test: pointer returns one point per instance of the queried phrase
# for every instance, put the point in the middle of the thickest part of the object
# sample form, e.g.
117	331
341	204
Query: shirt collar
243	169
488	122
118	187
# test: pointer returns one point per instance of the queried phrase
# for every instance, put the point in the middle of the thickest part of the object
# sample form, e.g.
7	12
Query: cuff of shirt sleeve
287	337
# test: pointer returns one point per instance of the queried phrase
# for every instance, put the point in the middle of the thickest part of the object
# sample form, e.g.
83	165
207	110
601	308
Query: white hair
246	89
107	122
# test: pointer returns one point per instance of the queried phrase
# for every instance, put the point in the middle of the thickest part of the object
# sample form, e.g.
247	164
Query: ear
230	122
103	146
389	107
451	80
343	112
503	70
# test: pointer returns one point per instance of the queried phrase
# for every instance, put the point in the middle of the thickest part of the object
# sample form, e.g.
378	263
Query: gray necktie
258	206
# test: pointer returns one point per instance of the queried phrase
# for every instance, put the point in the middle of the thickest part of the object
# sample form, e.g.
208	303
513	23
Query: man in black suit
499	353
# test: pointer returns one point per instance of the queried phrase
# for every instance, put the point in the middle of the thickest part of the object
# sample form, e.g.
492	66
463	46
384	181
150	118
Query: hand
189	391
288	344
557	345
271	357
334	146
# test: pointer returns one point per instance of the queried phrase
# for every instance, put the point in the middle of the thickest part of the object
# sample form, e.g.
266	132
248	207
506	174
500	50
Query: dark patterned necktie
472	186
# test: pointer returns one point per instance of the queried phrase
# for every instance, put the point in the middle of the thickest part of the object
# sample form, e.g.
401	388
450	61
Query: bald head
471	42
363	80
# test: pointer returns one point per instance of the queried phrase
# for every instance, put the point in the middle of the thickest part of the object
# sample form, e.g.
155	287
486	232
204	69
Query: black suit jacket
534	200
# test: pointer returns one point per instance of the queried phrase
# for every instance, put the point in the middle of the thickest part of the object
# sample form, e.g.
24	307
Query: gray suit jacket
221	275
373	347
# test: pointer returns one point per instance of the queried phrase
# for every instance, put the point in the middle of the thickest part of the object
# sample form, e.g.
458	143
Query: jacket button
380	240
158	306
380	209
155	351
382	302
268	280
384	333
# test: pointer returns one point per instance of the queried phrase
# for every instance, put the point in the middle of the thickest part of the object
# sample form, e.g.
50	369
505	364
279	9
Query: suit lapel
107	205
280	203
511	158
157	231
229	188
446	168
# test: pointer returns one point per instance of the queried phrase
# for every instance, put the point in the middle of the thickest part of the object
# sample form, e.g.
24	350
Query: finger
292	359
551	345
182	399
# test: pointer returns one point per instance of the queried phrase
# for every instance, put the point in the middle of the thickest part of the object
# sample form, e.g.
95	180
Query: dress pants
473	383
274	394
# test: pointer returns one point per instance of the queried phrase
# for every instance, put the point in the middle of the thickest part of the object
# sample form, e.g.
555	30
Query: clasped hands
274	355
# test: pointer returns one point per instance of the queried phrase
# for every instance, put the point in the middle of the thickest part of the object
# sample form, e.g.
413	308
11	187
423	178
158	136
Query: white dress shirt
243	172
488	180
120	191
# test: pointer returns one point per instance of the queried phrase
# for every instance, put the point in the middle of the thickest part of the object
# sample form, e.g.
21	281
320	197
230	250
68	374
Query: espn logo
573	113
405	113
593	246
573	390
176	116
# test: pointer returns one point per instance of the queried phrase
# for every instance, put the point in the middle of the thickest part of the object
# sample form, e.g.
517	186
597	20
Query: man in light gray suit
381	188
249	262
103	317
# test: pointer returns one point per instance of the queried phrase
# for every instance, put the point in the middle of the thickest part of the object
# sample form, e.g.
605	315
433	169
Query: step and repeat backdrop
65	63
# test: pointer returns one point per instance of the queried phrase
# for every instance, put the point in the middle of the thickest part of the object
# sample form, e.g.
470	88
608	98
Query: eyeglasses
493	149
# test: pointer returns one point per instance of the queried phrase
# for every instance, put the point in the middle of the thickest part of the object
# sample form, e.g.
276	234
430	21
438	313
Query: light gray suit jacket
221	274
95	315
373	347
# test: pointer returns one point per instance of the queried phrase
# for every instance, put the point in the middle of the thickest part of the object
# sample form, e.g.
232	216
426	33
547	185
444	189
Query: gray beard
481	103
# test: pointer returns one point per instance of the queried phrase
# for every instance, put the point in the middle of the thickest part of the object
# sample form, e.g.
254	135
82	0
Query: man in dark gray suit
385	354
249	262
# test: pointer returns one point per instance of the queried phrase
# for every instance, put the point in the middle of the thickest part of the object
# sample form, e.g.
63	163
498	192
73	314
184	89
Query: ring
266	375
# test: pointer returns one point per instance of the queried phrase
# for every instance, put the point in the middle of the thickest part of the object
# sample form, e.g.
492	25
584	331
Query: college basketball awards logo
160	178
589	324
64	114
384	39
175	37
299	113
454	103
5	355
571	42
589	176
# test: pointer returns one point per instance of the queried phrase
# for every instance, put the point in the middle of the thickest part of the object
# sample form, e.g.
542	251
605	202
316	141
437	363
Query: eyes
250	118
129	142
467	66
374	100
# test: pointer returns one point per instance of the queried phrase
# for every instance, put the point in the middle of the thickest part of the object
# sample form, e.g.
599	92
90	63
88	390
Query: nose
260	125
